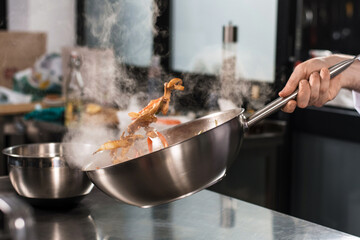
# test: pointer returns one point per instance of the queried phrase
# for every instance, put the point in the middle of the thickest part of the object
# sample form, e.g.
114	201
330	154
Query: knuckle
315	75
332	97
325	71
318	104
314	78
301	69
289	107
285	109
303	84
313	99
322	91
302	105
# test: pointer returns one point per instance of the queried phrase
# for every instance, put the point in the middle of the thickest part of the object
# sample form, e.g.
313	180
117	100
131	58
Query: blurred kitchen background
65	64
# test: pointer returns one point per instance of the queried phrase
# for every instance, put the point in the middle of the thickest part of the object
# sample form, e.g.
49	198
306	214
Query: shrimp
123	142
143	119
147	115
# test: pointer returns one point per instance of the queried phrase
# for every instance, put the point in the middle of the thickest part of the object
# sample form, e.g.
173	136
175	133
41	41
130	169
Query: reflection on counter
53	225
195	217
228	212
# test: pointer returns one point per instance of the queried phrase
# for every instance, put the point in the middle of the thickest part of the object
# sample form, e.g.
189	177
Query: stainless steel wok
198	156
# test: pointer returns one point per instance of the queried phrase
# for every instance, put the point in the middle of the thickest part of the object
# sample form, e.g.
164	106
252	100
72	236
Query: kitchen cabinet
326	181
325	142
255	175
325	152
327	24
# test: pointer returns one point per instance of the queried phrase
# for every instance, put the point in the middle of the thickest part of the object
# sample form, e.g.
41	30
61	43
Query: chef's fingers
314	81
303	96
293	82
324	88
302	99
289	107
302	71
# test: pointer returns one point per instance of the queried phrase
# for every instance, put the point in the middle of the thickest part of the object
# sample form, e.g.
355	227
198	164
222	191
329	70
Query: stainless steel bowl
40	171
198	155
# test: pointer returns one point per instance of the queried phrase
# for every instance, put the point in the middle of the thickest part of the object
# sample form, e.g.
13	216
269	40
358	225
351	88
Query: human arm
312	78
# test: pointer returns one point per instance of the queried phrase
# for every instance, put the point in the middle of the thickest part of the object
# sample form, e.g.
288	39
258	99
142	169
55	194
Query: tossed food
143	119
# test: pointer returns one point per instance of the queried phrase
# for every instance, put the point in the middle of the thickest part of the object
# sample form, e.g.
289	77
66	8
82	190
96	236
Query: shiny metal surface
206	215
200	152
18	220
193	162
40	171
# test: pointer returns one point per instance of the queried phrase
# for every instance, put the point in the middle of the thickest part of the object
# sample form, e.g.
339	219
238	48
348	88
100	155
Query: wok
199	153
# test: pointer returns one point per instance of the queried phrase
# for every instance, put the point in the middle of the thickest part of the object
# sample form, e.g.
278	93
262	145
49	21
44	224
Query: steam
100	26
109	82
82	157
233	89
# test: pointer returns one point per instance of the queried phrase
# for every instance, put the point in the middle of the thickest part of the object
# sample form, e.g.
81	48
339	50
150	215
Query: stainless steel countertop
205	215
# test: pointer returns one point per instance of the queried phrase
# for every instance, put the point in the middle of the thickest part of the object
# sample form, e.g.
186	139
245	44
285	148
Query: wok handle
280	102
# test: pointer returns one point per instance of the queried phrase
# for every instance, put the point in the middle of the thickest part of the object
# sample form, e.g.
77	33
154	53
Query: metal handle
280	102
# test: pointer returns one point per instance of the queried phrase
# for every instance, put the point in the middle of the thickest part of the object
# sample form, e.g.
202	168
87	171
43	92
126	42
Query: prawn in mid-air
143	119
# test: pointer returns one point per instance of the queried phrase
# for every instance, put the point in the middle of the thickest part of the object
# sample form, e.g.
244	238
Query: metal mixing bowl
40	172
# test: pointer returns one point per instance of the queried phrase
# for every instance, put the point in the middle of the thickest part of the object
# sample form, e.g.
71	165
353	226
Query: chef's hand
312	79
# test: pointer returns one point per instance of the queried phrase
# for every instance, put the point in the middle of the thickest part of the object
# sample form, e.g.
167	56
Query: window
123	25
196	36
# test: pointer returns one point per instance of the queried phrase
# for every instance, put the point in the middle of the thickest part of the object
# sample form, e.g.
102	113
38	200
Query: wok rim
54	160
6	152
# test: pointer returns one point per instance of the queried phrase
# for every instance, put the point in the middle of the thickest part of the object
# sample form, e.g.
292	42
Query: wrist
350	78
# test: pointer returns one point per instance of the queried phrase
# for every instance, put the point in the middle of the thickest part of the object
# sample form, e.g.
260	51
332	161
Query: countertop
205	215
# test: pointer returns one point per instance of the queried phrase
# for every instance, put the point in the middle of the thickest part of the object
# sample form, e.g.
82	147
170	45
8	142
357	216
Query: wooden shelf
14	109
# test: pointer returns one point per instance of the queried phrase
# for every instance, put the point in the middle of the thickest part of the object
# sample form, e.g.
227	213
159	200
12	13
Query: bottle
74	92
228	67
